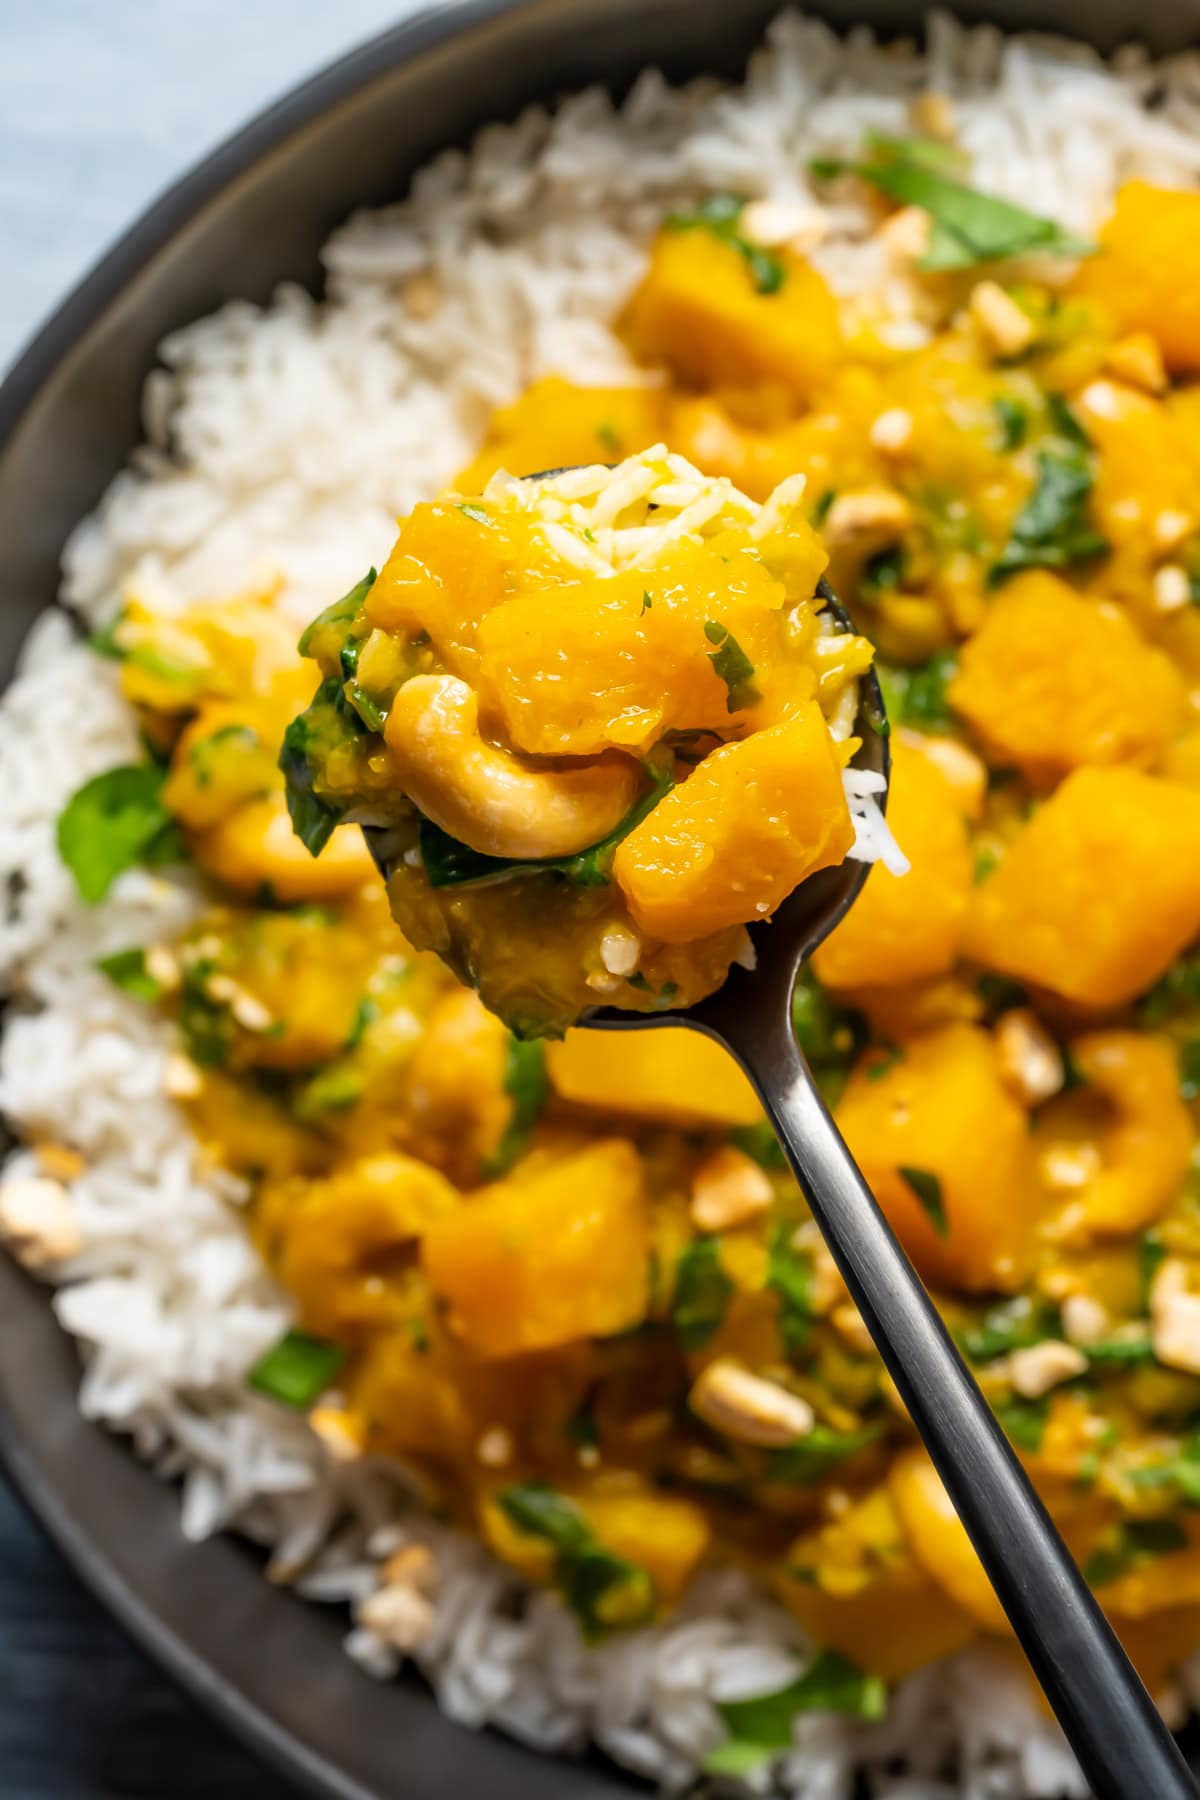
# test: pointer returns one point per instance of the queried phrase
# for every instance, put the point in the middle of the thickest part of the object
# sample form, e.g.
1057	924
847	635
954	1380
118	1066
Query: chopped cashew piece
892	431
748	1408
491	800
620	950
339	1433
1006	327
182	1080
867	519
772	223
1172	528
1085	1320
728	1189
1035	1371
1137	359
1175	1318
1029	1061
1172	588
247	1009
400	1612
37	1220
495	1448
906	234
162	966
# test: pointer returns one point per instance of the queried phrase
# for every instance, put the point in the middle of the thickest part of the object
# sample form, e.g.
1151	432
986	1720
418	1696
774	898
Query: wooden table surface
83	1714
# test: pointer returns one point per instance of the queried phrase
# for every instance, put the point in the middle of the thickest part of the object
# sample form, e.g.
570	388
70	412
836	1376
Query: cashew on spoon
492	801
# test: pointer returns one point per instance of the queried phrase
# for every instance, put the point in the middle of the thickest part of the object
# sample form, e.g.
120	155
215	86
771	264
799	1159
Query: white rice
282	444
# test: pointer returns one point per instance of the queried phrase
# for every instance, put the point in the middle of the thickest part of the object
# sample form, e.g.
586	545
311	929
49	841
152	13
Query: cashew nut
489	799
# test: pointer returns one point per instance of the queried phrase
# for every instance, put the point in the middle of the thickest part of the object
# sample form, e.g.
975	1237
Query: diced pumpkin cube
554	425
1145	466
699	311
678	1077
621	659
850	1581
546	1258
1099	892
939	1540
1147	270
755	460
1052	680
730	843
945	1149
905	927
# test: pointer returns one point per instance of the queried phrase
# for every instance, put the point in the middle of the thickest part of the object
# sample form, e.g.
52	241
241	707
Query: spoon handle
1124	1748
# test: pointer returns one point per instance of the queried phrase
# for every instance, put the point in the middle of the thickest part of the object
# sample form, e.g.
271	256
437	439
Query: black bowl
254	213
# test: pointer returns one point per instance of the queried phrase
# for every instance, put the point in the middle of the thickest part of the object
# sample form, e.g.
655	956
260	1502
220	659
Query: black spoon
1113	1726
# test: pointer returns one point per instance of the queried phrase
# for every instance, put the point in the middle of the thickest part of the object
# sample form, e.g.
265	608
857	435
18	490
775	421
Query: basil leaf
811	1458
761	1727
114	821
702	1293
789	1275
601	1588
527	1085
449	863
1024	1421
1132	1542
297	1370
759	1142
968	227
1053	530
928	1190
126	969
341	612
719	215
732	664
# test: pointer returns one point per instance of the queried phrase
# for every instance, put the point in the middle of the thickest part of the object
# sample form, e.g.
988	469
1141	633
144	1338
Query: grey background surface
102	104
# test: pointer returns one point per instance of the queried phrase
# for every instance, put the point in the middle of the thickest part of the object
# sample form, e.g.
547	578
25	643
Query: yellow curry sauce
570	1282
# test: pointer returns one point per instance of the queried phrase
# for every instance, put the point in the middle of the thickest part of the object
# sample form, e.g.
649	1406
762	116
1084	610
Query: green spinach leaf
114	821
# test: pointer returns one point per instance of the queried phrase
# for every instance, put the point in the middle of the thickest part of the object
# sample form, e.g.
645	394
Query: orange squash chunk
1145	465
555	424
1100	891
942	1111
619	659
1052	680
907	927
548	1257
731	842
1147	270
698	310
675	1077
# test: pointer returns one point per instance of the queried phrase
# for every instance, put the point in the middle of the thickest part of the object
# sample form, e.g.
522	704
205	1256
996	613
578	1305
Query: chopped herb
733	666
1065	421
334	1089
365	1015
1120	1352
297	1370
369	711
918	696
883	1064
478	513
1053	529
341	612
448	863
821	510
762	1727
883	573
1024	1421
608	437
702	1293
127	970
719	214
1013	418
811	1458
589	537
418	1332
206	1026
1181	1472
601	1588
928	1190
581	1428
114	821
1017	1325
1178	991
1152	1254
527	1086
759	1141
1132	1542
968	227
1189	1068
647	600
987	861
206	752
104	640
789	1275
